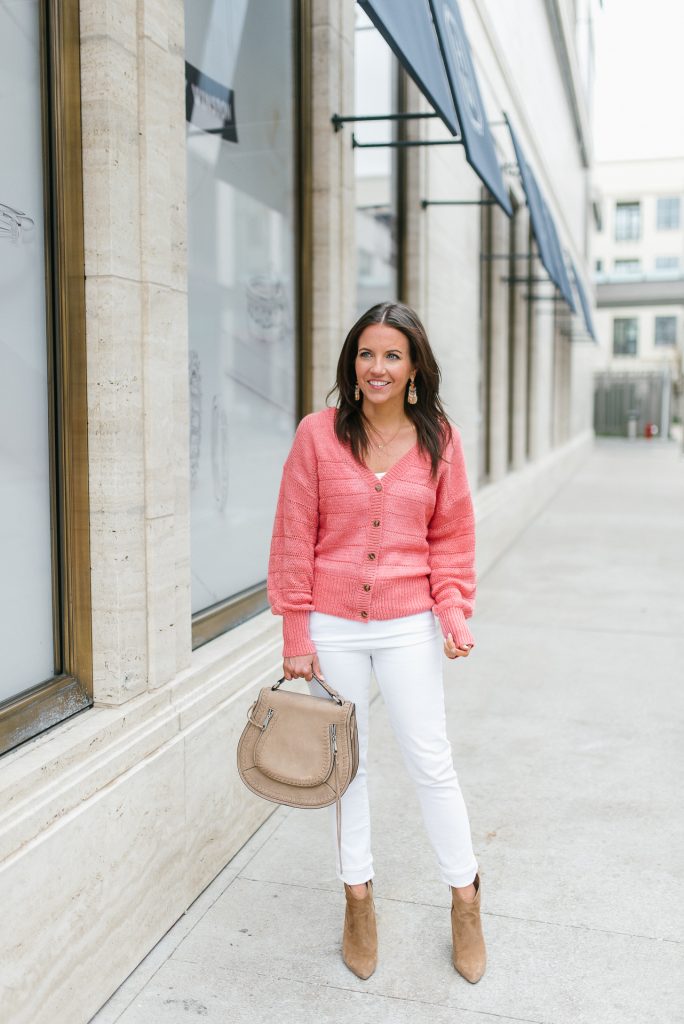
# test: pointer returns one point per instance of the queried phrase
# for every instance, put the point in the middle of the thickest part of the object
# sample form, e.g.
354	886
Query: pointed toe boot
469	953
360	939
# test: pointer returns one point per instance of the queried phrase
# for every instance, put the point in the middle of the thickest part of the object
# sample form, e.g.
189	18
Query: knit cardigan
348	544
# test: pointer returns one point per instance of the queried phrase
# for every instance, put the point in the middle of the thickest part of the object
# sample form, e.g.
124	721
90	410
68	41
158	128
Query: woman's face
383	364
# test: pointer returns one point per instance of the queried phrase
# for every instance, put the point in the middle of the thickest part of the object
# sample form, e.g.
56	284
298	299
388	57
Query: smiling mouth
378	383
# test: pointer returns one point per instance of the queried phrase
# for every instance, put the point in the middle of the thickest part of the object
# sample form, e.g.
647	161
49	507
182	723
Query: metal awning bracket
457	202
404	143
509	256
527	280
339	119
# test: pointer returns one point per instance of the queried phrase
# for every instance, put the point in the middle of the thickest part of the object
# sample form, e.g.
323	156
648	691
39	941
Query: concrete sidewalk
566	727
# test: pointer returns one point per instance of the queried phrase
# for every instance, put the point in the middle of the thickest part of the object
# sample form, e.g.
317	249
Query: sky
639	86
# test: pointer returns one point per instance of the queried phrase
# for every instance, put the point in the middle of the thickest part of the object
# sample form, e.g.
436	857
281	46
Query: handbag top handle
329	690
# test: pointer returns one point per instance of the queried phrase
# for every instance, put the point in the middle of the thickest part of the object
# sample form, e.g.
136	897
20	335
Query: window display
242	278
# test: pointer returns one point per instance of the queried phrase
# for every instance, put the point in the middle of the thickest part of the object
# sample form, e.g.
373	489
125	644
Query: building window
45	626
376	170
625	336
627	222
242	287
599	266
669	263
627	267
667	213
666	330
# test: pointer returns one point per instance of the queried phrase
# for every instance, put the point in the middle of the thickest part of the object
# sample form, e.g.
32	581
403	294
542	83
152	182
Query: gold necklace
385	443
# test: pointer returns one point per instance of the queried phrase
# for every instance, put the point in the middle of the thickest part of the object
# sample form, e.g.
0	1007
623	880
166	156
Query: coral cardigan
348	544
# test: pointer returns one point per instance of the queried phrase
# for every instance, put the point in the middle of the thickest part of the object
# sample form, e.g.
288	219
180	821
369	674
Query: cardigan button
364	615
366	586
376	522
378	487
372	556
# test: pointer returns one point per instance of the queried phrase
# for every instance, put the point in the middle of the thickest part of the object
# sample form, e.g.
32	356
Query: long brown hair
433	429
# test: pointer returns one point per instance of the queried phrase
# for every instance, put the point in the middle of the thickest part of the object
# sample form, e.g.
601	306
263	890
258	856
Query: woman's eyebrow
365	348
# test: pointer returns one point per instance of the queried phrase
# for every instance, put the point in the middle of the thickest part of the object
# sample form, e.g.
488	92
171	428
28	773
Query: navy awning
561	278
477	138
584	302
535	204
429	40
543	224
408	29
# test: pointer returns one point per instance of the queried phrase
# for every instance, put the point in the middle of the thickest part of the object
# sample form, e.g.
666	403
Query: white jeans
405	656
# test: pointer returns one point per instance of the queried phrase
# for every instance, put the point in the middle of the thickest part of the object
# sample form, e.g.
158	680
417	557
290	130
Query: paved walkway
566	726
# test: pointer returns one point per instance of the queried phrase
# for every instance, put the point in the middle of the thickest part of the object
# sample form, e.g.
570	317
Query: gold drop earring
412	393
357	392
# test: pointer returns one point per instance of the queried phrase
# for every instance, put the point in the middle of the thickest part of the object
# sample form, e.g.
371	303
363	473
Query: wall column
521	233
332	286
499	334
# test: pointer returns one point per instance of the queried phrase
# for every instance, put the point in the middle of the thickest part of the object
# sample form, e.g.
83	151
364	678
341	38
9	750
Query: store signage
209	105
458	61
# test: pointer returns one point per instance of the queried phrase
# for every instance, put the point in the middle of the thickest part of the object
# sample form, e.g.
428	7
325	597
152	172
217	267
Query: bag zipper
267	719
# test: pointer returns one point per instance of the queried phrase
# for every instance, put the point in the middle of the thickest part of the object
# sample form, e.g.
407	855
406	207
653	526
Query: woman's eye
390	355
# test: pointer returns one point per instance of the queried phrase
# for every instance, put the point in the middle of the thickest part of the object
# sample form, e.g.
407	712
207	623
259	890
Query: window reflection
241	284
26	630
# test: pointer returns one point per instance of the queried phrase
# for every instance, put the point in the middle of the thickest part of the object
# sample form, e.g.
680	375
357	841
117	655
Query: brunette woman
372	568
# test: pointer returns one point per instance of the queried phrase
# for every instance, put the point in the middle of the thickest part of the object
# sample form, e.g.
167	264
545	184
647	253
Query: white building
638	259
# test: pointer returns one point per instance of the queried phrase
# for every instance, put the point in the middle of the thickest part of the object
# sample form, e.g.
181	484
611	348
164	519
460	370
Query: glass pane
625	336
668	213
665	330
627	221
25	554
241	281
375	169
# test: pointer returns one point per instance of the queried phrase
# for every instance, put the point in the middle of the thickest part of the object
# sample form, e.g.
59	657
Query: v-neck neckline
363	468
386	472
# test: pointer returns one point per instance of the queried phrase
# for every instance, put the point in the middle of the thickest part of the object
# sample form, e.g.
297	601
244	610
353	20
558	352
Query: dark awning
477	138
436	54
409	31
543	225
561	278
584	302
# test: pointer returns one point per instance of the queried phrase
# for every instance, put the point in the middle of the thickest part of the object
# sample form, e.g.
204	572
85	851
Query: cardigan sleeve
295	530
451	542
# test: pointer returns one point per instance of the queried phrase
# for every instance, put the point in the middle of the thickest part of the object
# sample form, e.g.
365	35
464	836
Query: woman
373	536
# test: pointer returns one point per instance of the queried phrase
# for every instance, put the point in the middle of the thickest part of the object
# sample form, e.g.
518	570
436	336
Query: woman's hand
302	666
452	651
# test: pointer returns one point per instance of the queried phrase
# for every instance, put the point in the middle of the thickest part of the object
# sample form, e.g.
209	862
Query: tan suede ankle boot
360	939
469	953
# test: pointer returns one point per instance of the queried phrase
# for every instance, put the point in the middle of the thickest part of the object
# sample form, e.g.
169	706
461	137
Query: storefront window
377	220
26	635
45	626
242	277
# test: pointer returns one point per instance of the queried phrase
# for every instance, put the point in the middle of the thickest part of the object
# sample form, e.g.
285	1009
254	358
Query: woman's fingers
452	651
301	667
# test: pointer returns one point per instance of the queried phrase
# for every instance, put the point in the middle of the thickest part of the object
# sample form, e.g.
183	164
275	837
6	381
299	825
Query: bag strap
338	797
329	690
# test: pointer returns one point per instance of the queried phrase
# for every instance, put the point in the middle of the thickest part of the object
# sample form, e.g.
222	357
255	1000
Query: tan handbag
300	750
